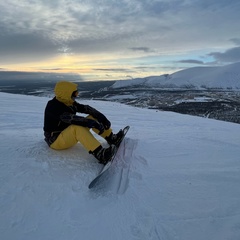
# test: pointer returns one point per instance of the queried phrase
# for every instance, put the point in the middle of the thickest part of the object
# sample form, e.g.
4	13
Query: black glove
94	124
98	115
106	123
103	120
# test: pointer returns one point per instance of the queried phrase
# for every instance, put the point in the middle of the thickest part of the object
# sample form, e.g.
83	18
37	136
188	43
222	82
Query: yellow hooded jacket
63	92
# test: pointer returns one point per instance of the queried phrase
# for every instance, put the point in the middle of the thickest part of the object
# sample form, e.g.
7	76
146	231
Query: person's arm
81	121
93	112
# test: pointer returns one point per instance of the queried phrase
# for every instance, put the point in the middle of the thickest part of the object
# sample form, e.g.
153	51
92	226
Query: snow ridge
224	77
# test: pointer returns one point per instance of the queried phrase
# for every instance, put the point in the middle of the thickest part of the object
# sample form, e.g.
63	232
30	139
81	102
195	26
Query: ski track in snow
117	178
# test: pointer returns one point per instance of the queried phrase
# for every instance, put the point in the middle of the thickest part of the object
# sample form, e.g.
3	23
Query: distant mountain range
224	77
211	92
9	76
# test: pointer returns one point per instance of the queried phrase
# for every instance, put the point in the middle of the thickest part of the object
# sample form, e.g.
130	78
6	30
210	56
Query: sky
117	39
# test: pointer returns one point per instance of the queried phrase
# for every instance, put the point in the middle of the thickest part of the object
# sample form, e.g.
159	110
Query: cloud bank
167	31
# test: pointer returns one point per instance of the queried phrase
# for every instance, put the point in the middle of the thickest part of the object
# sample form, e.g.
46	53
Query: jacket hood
63	92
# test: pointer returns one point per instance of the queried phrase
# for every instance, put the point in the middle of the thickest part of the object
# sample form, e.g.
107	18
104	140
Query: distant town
217	104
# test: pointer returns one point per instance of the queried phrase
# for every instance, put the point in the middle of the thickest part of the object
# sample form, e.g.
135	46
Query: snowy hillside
177	178
226	77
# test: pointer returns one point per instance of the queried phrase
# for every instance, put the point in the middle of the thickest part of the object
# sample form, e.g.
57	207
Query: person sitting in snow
63	128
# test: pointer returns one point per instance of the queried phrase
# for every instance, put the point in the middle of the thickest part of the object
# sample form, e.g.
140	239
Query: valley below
220	104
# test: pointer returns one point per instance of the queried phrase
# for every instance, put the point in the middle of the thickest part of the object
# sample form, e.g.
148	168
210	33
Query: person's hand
95	124
97	115
106	123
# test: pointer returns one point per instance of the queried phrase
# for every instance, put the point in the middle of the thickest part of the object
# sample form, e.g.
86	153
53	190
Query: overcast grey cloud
144	49
236	41
191	61
229	56
190	31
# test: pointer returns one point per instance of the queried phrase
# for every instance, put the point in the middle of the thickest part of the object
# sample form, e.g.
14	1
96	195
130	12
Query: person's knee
76	130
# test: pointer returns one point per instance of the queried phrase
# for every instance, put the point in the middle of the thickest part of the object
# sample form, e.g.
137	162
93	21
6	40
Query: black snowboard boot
104	155
115	139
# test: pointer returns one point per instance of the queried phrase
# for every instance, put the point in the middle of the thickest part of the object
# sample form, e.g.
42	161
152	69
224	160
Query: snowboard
107	166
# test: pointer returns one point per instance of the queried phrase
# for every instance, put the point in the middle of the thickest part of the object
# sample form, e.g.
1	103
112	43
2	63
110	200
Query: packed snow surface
176	177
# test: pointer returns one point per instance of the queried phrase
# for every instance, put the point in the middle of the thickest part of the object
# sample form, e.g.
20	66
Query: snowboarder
63	128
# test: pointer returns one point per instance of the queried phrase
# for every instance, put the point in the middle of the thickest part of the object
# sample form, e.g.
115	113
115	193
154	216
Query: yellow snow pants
74	134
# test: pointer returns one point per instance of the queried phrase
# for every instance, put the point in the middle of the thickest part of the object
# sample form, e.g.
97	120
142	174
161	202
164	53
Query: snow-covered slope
226	77
177	179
